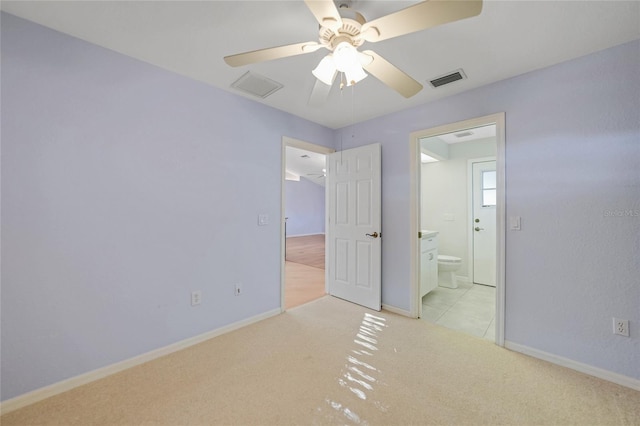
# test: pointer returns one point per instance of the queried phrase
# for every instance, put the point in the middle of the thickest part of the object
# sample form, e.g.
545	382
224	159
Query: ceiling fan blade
319	94
390	75
418	17
326	13
271	53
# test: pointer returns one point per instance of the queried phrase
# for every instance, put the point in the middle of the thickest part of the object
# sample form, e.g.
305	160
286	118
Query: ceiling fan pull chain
353	112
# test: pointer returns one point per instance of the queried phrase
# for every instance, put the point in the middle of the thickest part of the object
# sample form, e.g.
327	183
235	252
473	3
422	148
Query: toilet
447	268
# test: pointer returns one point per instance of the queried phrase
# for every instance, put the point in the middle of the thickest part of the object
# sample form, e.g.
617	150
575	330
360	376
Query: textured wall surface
573	175
124	187
304	207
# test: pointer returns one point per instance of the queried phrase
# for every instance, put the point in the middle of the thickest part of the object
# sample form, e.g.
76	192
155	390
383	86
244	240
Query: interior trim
91	376
308	146
600	373
414	215
396	310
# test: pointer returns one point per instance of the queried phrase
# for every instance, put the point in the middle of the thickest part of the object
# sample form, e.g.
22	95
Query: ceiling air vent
463	134
256	85
449	78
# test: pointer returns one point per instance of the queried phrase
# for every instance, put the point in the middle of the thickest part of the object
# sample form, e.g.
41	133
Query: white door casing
296	143
354	235
414	217
483	227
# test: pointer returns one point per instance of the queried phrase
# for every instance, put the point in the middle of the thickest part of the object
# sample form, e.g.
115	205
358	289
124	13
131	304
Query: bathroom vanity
428	261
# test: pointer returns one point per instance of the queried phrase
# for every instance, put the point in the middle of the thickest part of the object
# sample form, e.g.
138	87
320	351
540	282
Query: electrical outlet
621	327
237	288
196	298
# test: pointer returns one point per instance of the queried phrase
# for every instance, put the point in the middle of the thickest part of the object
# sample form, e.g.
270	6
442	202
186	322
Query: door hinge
419	234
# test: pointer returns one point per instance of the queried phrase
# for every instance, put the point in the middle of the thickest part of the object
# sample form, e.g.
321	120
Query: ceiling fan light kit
345	59
326	70
345	56
343	31
354	75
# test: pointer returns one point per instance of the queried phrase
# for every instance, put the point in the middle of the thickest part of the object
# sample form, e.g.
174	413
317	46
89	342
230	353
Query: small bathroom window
489	188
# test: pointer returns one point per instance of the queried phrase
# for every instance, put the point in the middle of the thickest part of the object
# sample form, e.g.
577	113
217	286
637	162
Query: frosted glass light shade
345	56
355	74
326	70
347	61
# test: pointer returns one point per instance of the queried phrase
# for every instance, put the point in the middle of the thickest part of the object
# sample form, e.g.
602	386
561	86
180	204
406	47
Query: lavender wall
124	188
304	207
572	165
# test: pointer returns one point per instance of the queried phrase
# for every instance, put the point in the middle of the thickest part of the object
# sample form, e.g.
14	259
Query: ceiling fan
343	31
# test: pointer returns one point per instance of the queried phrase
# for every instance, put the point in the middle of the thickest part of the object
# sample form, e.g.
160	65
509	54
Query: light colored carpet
332	362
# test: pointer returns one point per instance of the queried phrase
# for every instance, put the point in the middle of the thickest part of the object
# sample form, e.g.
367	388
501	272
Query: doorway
457	216
303	276
482	221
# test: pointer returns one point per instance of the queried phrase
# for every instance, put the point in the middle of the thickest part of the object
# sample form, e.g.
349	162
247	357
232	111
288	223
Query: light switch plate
263	219
514	223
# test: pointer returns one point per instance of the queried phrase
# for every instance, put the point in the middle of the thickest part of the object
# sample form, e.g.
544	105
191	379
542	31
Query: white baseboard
600	373
82	379
397	310
305	235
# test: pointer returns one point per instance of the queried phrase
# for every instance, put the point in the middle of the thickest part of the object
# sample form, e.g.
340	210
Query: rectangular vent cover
463	134
256	85
449	78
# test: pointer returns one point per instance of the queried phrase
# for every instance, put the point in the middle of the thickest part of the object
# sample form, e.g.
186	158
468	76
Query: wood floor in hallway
304	270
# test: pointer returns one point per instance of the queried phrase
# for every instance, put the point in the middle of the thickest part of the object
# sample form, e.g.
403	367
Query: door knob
374	235
479	229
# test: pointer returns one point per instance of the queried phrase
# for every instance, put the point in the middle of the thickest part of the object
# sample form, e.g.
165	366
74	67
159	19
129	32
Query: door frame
307	146
470	216
414	215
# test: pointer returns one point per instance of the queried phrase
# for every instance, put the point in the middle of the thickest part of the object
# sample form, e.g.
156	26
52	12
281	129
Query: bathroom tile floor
470	308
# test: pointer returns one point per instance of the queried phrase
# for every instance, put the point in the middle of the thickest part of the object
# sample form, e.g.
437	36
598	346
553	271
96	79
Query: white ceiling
477	133
191	38
305	164
435	148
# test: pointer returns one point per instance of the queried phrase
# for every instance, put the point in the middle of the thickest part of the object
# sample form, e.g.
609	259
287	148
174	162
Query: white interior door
484	223
354	225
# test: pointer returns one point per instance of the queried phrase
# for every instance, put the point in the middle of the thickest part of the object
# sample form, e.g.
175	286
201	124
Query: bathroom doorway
443	161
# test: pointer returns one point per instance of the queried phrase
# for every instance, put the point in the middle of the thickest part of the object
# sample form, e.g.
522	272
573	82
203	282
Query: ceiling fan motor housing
350	30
